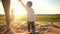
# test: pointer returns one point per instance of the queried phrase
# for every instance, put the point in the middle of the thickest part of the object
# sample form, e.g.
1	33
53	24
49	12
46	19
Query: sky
39	6
1	8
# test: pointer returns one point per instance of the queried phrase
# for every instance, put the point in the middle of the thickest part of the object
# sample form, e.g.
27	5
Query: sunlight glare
19	11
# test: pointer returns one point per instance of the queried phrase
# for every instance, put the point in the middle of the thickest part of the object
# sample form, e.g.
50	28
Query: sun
19	10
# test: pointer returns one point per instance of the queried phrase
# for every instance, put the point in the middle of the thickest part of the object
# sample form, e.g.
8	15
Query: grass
2	18
43	18
47	18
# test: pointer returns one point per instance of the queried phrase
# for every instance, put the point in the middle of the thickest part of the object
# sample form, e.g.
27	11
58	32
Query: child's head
29	3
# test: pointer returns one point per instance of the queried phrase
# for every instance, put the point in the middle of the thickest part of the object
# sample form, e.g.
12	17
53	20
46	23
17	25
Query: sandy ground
18	27
23	28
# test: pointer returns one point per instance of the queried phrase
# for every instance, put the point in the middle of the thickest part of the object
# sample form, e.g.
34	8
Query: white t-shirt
30	14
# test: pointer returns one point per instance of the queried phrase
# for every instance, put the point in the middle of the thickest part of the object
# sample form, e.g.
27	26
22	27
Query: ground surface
21	28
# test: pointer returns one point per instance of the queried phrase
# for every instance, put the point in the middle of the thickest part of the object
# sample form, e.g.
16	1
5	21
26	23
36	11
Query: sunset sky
39	6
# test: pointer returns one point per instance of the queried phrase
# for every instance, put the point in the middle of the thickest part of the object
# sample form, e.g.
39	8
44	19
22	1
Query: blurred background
46	11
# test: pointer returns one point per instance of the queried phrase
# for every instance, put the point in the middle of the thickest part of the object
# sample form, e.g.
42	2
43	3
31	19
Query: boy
30	15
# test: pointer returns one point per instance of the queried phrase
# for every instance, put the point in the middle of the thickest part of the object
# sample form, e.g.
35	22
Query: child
30	15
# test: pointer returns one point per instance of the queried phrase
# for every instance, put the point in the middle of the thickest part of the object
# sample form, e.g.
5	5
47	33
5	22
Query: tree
6	5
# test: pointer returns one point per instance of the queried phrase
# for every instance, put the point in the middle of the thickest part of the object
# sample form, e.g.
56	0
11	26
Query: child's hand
20	0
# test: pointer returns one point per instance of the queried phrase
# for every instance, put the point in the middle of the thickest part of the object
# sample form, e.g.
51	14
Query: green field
2	18
47	18
38	18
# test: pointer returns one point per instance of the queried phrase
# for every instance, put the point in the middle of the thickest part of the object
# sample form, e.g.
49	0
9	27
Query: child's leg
33	27
28	25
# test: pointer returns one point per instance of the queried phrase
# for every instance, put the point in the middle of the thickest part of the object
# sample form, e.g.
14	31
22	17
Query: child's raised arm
23	4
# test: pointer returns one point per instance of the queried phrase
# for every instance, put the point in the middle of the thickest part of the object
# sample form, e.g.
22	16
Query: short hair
29	2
